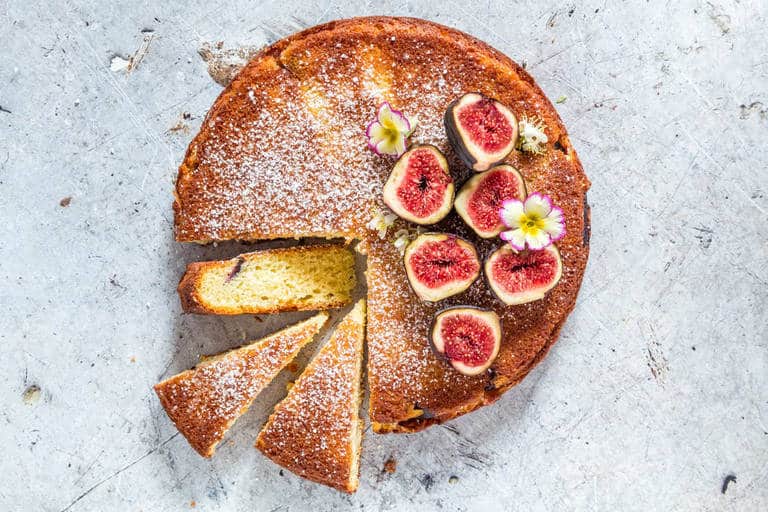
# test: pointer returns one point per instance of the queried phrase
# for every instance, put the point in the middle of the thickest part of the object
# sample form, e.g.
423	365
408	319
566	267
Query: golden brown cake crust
204	402
252	174
315	431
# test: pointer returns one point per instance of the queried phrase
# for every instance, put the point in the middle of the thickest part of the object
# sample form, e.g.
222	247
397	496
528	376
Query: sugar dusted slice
316	430
205	401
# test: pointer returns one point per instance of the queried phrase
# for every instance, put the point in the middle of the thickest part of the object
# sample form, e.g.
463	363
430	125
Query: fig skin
488	316
461	203
473	156
522	297
449	289
390	196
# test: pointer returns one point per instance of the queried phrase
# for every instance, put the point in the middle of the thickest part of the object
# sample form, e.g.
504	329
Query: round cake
283	154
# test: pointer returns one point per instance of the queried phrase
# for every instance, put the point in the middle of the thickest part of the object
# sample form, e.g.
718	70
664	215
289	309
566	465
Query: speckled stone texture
656	392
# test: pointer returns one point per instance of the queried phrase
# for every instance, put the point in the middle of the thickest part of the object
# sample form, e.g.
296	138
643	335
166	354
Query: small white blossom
388	133
535	222
381	222
532	138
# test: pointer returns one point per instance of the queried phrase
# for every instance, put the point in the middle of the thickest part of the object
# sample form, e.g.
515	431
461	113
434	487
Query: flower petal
554	224
393	119
376	132
370	127
400	145
413	122
385	110
538	205
510	213
386	147
515	237
537	239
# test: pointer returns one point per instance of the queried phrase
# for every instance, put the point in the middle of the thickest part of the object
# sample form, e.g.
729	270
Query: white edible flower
381	222
402	239
536	222
532	138
388	133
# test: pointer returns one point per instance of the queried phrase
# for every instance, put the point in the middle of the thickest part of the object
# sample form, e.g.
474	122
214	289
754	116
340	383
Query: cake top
284	154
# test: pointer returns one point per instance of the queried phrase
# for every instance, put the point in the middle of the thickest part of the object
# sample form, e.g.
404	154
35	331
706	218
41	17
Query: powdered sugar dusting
313	430
205	401
292	162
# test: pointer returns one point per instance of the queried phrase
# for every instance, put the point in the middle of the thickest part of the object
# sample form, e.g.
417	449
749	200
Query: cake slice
289	279
316	430
205	401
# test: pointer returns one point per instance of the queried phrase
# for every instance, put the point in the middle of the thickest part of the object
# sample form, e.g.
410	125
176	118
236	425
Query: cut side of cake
205	401
288	279
316	431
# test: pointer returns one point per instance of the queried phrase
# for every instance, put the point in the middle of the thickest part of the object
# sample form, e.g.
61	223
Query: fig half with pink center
420	188
468	337
481	130
439	265
521	277
480	199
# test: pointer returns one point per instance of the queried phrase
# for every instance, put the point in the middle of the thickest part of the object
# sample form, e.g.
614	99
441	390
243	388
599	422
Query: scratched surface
656	392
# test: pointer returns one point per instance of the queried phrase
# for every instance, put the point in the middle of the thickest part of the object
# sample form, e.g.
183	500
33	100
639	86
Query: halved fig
420	188
468	337
480	199
439	265
521	277
481	130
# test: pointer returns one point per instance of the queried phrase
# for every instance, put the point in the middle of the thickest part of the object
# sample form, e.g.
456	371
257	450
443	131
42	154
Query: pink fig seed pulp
484	203
486	125
422	188
523	271
467	339
437	263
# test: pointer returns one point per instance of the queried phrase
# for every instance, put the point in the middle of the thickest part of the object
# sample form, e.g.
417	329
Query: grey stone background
657	390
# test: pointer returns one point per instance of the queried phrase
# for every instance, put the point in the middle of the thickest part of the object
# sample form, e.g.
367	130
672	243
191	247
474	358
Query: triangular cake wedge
316	430
205	401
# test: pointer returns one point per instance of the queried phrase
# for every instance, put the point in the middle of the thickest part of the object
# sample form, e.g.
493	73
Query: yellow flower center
391	131
531	224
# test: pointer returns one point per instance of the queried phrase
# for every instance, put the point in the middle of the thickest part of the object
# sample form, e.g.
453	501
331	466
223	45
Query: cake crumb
133	359
390	466
192	504
120	64
293	367
65	202
31	395
224	63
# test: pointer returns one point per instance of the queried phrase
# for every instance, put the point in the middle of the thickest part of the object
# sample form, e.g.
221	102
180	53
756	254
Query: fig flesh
481	130
420	188
480	199
522	277
468	337
439	265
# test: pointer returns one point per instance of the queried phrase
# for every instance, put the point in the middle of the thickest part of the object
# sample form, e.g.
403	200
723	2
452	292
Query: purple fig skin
454	138
457	141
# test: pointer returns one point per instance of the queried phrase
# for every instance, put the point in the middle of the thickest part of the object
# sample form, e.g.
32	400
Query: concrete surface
656	392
